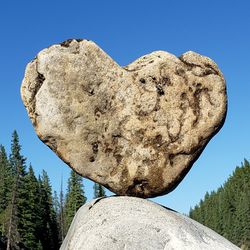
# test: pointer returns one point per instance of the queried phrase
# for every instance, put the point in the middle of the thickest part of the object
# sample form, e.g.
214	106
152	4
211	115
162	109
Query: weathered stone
136	130
135	224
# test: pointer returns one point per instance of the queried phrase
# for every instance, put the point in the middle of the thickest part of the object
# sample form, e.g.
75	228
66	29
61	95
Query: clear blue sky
126	30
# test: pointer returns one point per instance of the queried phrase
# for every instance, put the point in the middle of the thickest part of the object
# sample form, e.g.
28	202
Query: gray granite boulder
119	223
138	129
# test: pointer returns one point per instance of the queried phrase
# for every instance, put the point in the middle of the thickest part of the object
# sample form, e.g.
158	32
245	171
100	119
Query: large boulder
131	223
138	129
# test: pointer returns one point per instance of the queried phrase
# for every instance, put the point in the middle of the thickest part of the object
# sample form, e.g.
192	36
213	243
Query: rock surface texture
138	129
130	223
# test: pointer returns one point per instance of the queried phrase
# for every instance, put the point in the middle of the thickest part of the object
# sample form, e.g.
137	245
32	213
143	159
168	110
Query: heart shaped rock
138	129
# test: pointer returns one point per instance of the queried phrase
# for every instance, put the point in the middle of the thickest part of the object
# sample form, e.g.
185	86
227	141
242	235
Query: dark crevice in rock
96	201
79	40
95	151
92	159
158	140
198	85
50	141
137	188
161	83
118	158
180	72
211	70
142	113
107	148
188	64
171	157
103	107
184	96
166	81
67	42
137	67
116	134
142	80
90	91
140	135
173	138
205	91
95	147
160	90
157	104
117	150
208	69
39	82
40	78
196	106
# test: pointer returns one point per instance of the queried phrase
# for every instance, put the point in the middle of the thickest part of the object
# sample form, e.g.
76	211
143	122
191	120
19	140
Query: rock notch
138	129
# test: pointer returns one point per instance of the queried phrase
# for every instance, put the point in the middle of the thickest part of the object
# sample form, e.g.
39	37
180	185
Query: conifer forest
227	210
32	216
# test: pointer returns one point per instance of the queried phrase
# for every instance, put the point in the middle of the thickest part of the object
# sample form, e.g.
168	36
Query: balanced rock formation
138	129
131	223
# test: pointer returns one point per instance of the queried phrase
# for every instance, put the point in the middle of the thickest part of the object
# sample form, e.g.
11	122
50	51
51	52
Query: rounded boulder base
133	223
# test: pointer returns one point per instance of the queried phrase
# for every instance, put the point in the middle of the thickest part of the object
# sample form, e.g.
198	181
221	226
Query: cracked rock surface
138	129
142	224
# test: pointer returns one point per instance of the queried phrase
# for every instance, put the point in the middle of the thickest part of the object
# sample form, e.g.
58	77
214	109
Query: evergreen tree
58	208
5	180
17	161
17	164
75	197
28	211
48	233
99	191
56	203
61	215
